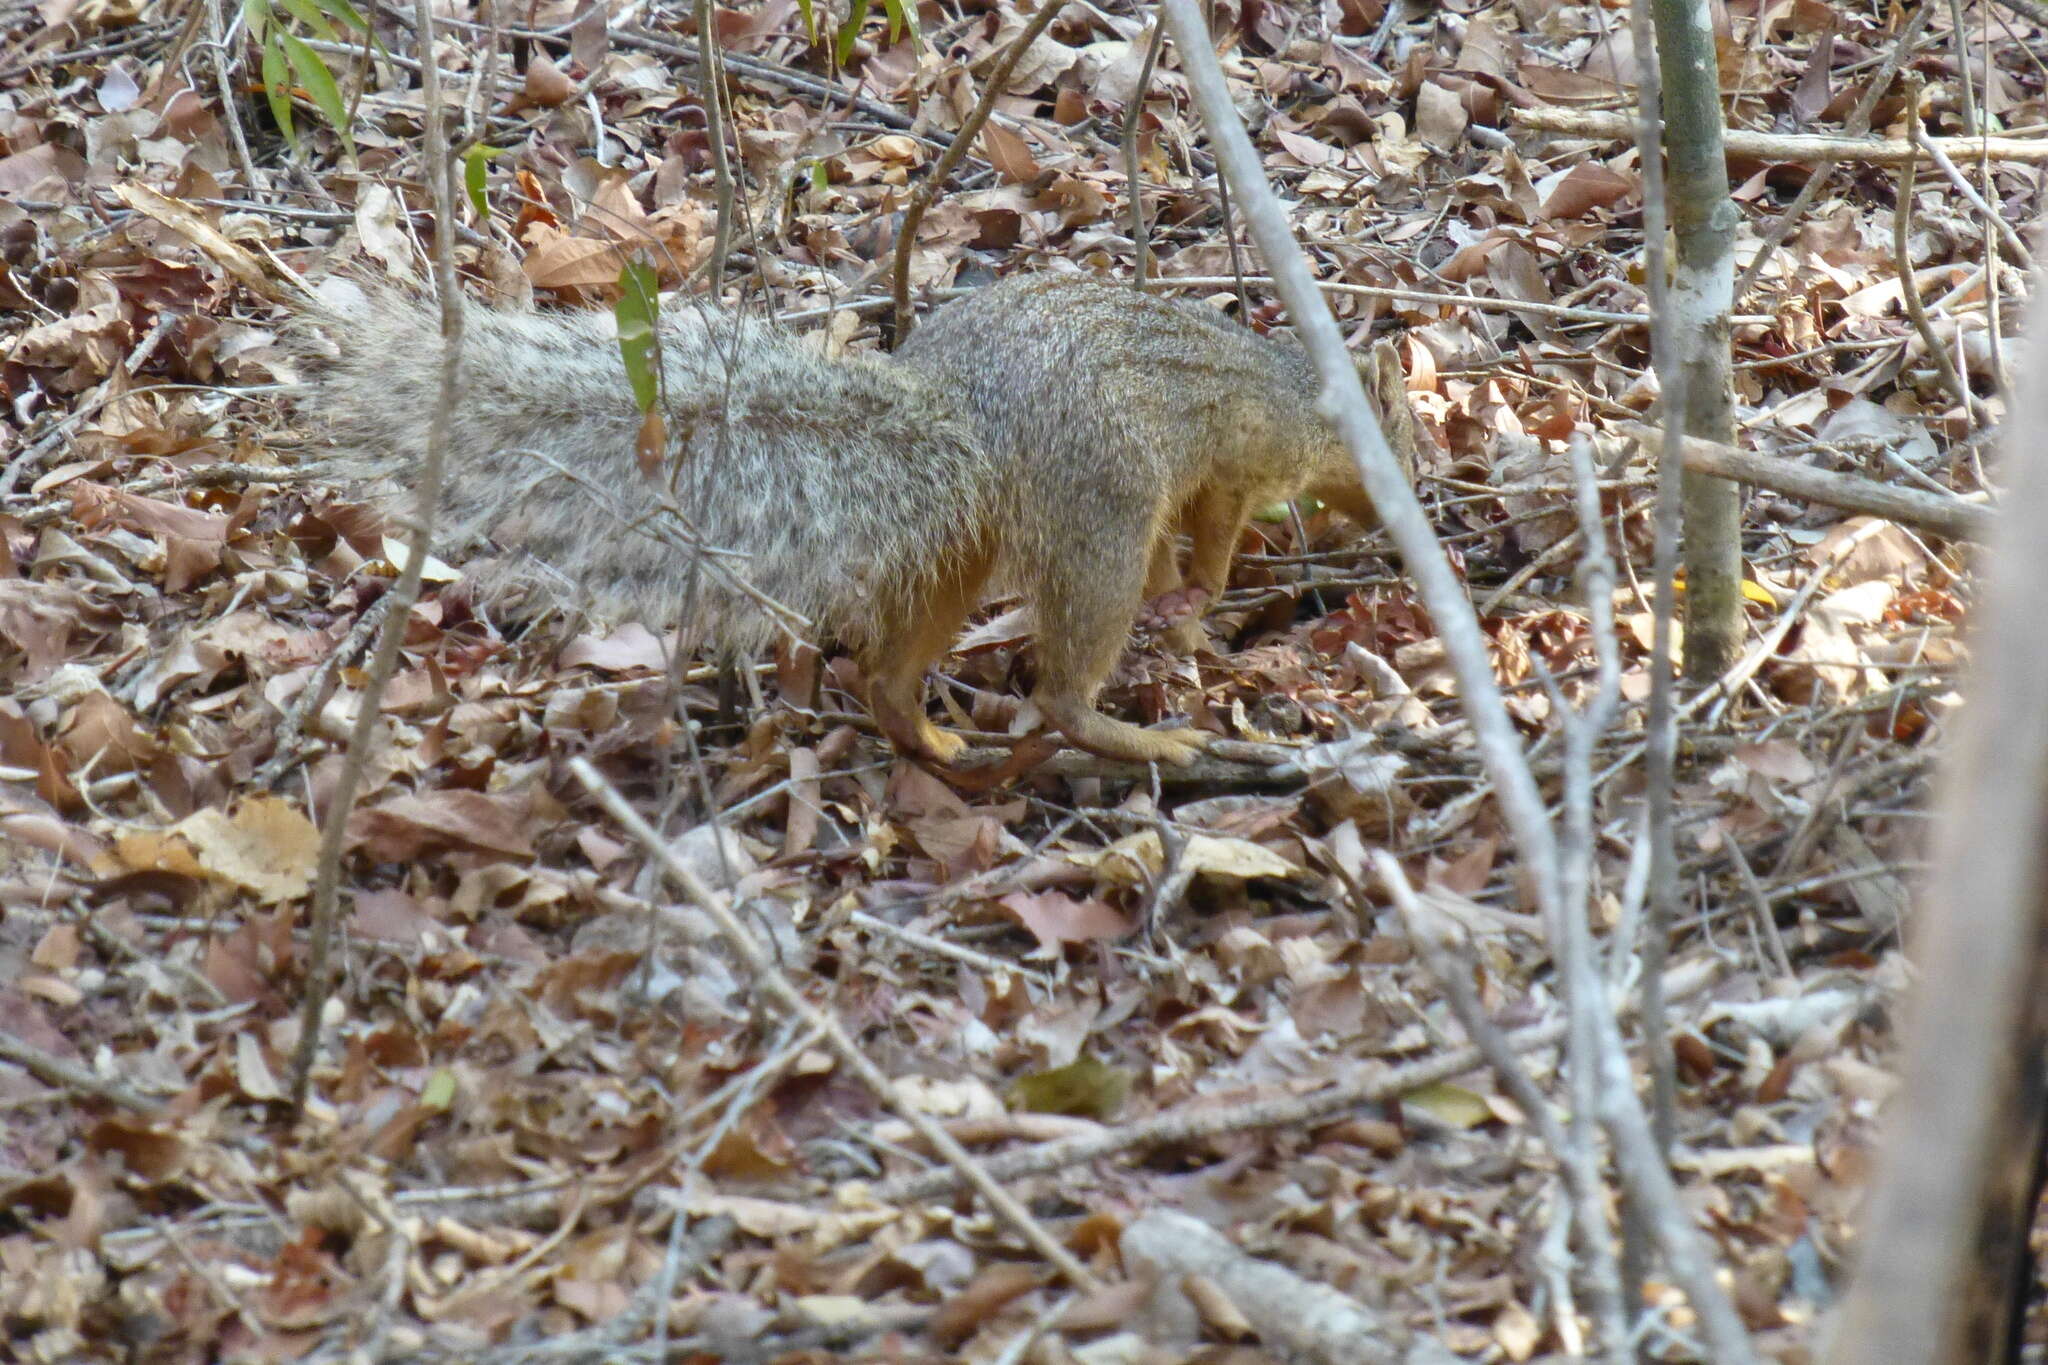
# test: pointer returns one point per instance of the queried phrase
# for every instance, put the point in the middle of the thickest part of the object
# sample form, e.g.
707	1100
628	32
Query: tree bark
1942	1257
1703	220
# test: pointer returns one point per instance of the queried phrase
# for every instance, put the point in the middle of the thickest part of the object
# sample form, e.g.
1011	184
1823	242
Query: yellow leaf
1216	856
440	1091
1452	1106
1084	1088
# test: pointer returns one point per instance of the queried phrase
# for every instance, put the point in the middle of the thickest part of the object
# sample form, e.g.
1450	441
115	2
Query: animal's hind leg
1084	605
896	666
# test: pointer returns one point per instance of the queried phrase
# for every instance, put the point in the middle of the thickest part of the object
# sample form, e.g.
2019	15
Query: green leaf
346	13
820	177
474	163
637	311
277	88
352	17
308	13
849	32
256	13
1272	512
810	20
903	19
319	83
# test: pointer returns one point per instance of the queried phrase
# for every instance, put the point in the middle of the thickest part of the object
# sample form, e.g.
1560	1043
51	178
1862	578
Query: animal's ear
1379	370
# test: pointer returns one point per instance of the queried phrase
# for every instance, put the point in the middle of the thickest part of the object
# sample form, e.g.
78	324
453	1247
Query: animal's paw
1171	611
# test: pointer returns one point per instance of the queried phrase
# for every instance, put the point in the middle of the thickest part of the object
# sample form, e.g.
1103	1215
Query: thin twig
1198	1123
319	686
65	1075
1484	303
712	94
1660	725
1944	513
1134	117
440	167
229	110
1450	963
777	986
1856	125
1909	294
2008	238
1795	147
1499	745
921	198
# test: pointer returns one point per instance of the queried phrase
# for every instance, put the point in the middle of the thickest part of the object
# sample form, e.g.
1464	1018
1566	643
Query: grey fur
830	484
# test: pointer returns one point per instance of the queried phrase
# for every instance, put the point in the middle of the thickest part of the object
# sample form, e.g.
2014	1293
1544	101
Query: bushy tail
796	489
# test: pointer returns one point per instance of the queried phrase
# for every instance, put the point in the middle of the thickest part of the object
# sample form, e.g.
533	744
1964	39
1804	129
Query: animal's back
1058	369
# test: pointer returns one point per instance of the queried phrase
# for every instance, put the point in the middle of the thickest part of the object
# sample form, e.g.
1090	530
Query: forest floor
548	1099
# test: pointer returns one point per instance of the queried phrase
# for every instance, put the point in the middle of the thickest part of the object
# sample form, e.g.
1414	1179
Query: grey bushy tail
807	485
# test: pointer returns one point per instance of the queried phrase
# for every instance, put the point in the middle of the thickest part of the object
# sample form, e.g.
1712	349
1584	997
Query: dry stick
1909	294
440	176
217	33
931	943
1482	302
1141	258
1344	399
2031	9
291	728
473	111
1765	925
1857	124
172	60
361	76
1729	685
1661	723
743	944
1564	312
921	198
398	1249
709	78
505	81
147	34
1449	960
1944	514
1994	312
1491	602
1198	1123
1586	989
2010	239
1640	1152
1790	146
1297	1318
71	1076
1652	1192
1957	29
767	73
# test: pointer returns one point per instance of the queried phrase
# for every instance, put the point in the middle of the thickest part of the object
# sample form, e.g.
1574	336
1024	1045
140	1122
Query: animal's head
1334	481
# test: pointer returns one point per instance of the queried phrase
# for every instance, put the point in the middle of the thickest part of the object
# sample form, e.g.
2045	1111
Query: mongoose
1049	435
